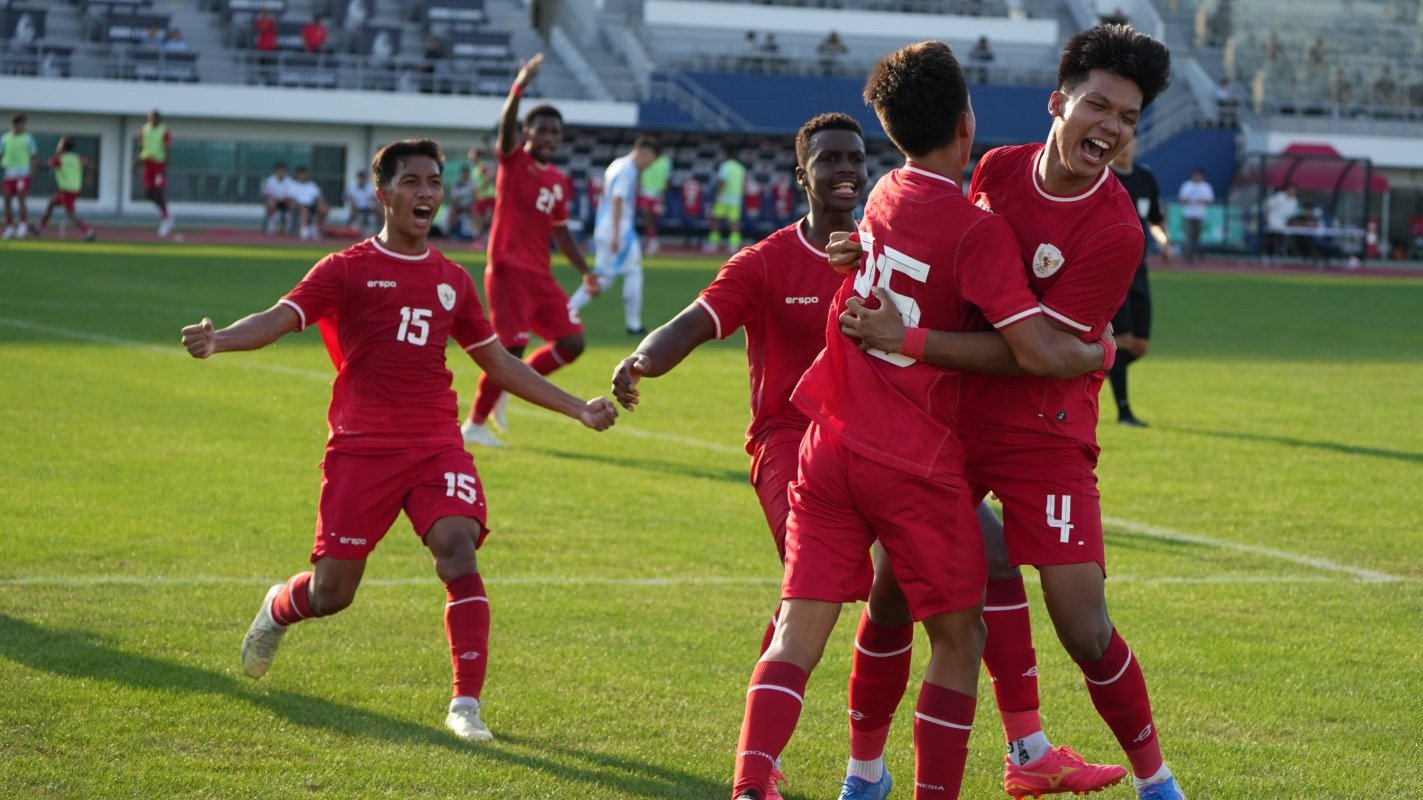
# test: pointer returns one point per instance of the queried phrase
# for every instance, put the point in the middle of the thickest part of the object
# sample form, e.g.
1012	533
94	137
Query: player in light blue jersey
617	251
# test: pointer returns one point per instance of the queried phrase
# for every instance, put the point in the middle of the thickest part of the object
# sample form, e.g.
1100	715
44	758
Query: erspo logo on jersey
802	301
380	284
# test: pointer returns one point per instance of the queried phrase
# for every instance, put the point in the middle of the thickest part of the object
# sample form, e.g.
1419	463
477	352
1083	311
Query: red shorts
362	493
17	185
66	200
774	458
523	300
155	175
1052	511
650	205
841	502
484	207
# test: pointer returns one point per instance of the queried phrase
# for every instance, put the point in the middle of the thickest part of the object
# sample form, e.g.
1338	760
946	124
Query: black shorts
1134	316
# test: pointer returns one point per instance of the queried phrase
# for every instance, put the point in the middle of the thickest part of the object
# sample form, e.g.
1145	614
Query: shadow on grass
738	476
85	656
1309	444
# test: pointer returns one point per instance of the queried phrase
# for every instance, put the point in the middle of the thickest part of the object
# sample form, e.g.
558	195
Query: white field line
1130	526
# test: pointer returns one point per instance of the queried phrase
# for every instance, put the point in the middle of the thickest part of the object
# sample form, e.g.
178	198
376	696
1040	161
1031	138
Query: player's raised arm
1033	345
517	377
252	332
509	117
662	350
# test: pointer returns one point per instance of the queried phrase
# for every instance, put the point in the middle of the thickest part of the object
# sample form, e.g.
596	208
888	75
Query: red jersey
780	290
783	199
947	265
385	318
1081	254
692	198
751	202
530	199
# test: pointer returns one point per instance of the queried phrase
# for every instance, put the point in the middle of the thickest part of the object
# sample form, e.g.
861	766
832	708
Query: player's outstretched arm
662	350
569	246
252	332
518	378
508	138
1031	346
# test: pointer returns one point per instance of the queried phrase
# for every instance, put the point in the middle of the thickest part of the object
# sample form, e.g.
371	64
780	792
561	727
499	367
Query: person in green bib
154	139
484	190
18	153
651	199
69	169
726	211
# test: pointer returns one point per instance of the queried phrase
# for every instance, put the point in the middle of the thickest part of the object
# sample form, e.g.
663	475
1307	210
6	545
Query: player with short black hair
69	171
1032	441
530	207
880	460
387	308
154	141
1132	323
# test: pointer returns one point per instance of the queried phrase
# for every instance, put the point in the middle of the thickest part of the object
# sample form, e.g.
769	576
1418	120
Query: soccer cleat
1059	772
773	792
22	231
1131	421
464	720
474	433
1168	789
857	788
638	331
259	646
500	417
166	226
9	232
90	236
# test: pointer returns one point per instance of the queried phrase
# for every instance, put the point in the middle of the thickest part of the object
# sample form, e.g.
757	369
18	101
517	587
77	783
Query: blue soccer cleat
1168	789
857	788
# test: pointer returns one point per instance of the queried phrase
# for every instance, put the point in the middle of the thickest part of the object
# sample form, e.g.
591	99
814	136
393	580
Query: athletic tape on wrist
1109	350
914	341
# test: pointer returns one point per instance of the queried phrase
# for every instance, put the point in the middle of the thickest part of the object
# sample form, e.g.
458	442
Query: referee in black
1132	324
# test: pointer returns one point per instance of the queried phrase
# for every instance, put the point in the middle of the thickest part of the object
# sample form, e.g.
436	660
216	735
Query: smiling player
386	308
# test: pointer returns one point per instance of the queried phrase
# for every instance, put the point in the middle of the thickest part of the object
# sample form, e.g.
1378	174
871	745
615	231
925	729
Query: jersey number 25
877	270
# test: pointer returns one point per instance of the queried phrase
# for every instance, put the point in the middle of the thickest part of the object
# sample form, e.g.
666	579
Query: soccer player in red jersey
386	308
530	206
879	460
1033	441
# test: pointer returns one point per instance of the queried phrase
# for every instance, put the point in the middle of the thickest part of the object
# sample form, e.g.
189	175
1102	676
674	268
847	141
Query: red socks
293	603
544	361
878	678
942	725
1118	691
773	705
467	625
1009	655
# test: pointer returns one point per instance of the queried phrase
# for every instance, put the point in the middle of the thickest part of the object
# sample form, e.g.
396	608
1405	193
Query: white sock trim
479	599
1114	678
873	654
1160	776
943	722
872	770
772	687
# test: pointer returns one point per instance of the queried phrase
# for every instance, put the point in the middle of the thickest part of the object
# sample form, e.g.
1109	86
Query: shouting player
386	308
879	460
154	139
18	154
530	205
1032	441
615	233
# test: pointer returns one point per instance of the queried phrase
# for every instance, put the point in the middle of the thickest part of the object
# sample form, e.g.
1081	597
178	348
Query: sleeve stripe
1071	323
1018	317
715	319
494	337
285	302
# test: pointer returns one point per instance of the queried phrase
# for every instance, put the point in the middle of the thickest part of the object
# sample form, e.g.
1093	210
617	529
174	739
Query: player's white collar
403	257
1037	182
922	171
801	235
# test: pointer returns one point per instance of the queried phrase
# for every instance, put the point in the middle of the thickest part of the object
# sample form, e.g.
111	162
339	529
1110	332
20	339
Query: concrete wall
912	27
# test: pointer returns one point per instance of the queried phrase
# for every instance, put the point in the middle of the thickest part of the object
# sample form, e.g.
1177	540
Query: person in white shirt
306	196
1195	196
361	200
277	195
1280	208
616	246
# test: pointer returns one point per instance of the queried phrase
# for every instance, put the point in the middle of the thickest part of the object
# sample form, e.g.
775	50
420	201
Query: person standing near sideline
1132	324
1196	196
154	140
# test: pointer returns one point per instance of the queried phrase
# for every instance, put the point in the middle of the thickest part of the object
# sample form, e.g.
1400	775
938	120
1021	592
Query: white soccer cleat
479	434
166	226
259	646
9	232
22	231
464	720
500	417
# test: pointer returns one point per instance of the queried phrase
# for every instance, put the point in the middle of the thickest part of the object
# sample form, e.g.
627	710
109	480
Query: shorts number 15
877	270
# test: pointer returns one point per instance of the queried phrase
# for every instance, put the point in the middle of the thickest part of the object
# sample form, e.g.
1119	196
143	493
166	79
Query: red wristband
1109	350
517	90
914	341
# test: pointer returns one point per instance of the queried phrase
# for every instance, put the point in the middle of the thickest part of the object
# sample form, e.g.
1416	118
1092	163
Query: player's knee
1140	346
1086	643
570	347
888	605
332	598
999	569
958	633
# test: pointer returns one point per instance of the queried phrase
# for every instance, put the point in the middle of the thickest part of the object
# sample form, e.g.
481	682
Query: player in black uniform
1132	324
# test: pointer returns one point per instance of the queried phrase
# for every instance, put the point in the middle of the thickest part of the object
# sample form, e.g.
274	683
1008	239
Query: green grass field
1265	541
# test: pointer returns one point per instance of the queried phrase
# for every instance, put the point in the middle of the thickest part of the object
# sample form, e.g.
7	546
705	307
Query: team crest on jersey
447	295
1047	260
